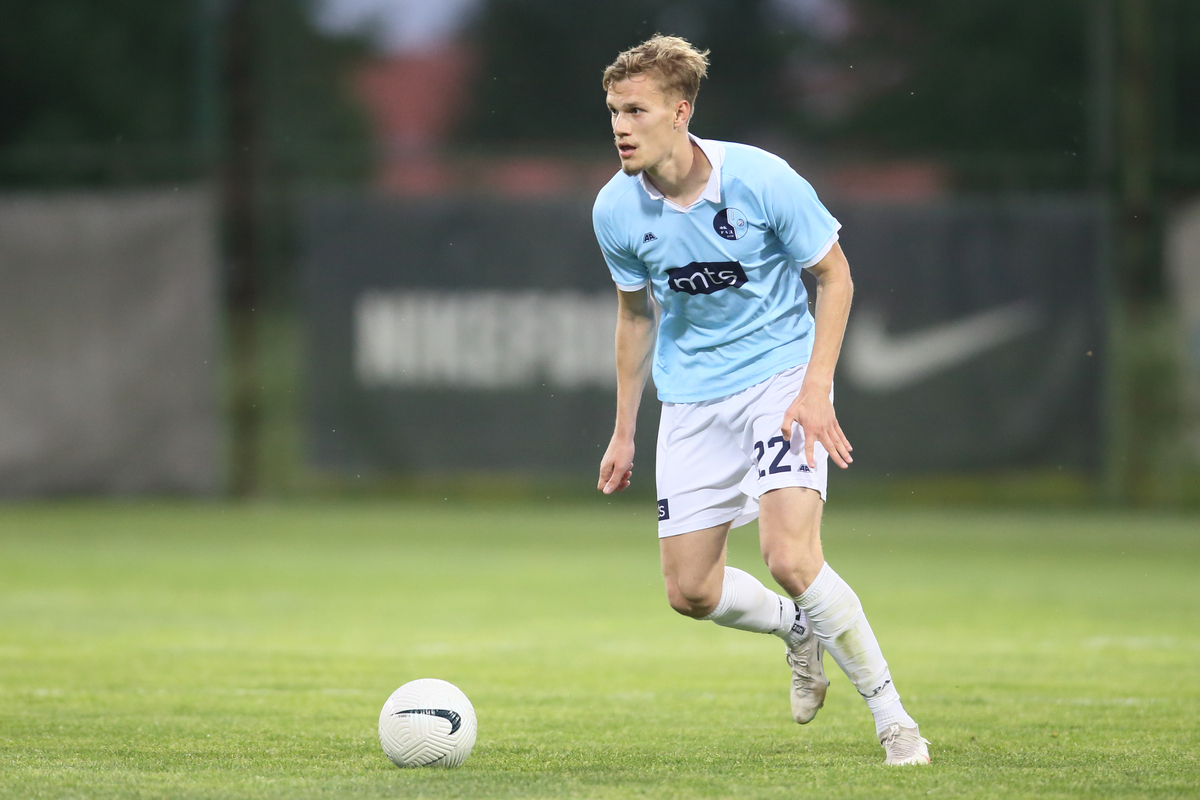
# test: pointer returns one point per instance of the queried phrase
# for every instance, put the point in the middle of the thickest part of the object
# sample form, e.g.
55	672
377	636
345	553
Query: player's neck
682	176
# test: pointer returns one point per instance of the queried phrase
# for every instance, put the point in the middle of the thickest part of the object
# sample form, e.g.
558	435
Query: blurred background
277	248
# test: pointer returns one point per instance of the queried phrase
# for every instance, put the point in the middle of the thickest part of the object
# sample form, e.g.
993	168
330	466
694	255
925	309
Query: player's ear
683	113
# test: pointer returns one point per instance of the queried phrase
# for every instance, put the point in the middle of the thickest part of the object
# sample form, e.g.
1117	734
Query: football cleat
904	746
808	678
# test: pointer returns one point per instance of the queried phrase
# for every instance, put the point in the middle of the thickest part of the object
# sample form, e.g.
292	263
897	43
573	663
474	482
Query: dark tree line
104	91
129	90
940	77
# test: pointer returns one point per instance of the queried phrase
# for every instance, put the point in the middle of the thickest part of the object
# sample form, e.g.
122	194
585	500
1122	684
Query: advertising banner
1183	274
108	343
478	335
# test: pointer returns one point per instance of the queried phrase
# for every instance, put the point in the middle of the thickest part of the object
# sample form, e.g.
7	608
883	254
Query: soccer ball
427	722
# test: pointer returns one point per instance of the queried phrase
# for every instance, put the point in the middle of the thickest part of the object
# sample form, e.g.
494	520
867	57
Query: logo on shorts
706	277
731	224
664	511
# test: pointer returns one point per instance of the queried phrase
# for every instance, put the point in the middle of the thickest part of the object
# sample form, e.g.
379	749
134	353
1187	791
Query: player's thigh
780	463
700	465
693	565
789	526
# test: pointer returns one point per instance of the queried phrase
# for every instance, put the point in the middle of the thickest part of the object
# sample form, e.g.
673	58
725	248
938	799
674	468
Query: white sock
800	629
837	619
888	713
747	605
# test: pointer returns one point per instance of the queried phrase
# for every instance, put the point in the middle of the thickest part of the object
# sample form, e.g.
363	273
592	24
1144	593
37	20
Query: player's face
644	122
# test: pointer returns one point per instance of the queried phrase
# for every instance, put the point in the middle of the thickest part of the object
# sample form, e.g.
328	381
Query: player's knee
792	569
692	601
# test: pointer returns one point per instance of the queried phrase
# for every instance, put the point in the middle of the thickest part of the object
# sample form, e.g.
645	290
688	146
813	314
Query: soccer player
717	233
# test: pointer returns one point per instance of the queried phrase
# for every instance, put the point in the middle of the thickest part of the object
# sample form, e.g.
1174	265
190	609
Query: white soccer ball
427	722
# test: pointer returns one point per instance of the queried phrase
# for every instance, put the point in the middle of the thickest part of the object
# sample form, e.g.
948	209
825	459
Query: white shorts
717	457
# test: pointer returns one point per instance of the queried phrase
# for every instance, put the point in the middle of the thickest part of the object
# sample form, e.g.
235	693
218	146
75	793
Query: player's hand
616	468
812	410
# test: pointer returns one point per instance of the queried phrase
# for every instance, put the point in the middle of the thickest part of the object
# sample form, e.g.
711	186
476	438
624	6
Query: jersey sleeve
807	230
628	271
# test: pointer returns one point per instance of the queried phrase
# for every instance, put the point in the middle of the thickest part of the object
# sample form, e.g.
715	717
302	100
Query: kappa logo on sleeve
706	277
664	510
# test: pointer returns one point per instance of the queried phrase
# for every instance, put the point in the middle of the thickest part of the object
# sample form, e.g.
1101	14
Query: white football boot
808	678
904	746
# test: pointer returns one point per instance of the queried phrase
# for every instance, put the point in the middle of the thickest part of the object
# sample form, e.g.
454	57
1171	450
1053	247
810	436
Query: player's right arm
635	349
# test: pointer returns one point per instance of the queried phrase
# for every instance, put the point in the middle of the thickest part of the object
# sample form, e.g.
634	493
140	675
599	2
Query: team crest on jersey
731	224
649	237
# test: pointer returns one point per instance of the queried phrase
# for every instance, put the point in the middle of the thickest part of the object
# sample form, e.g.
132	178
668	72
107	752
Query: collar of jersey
715	153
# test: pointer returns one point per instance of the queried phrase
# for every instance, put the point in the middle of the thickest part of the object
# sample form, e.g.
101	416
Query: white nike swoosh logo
878	362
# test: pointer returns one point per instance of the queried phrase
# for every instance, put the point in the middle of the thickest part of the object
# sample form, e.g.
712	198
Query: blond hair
673	61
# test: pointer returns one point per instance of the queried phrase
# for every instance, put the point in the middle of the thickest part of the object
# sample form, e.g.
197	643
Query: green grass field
226	651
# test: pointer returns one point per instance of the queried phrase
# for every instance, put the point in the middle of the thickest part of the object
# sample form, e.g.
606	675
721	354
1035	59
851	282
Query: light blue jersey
726	270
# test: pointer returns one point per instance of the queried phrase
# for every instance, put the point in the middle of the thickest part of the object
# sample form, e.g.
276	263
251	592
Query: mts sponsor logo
706	277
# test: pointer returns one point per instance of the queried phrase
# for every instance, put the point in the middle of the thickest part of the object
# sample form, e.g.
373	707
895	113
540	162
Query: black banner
477	335
977	338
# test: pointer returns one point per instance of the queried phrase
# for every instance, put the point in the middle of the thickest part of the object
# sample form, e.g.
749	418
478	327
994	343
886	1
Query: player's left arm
812	409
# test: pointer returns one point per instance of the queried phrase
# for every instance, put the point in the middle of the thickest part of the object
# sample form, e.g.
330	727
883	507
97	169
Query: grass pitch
211	651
